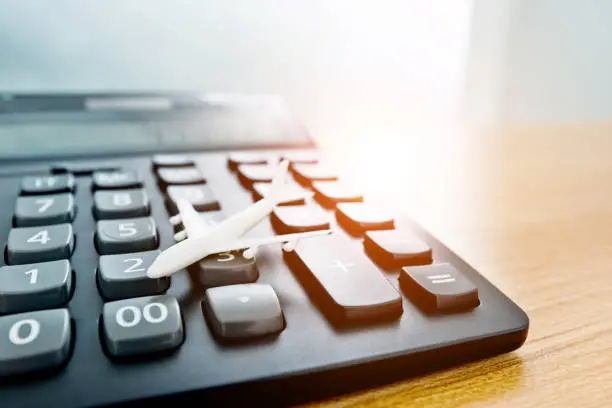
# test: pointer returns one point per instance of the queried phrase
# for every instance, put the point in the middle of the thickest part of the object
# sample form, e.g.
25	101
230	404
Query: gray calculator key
246	310
227	268
439	287
44	210
127	235
45	184
116	179
200	196
34	341
35	286
142	325
124	276
39	244
121	203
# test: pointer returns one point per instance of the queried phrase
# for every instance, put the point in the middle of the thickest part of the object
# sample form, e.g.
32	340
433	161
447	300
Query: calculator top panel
69	125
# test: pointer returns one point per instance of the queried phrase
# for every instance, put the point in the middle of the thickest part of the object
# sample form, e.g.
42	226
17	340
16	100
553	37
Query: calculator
89	182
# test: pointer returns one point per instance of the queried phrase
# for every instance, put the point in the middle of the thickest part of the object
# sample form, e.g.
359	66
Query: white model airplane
199	240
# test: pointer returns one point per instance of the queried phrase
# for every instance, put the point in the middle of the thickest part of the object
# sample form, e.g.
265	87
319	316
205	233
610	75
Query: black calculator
88	185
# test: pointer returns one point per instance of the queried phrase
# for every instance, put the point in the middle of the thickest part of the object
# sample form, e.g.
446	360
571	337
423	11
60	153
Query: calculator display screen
107	127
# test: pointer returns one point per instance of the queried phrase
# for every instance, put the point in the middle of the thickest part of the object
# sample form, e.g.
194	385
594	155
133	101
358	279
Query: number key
121	204
34	341
44	210
129	235
39	244
227	268
141	325
125	276
47	184
35	286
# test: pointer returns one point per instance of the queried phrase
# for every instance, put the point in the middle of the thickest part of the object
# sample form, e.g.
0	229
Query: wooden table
532	210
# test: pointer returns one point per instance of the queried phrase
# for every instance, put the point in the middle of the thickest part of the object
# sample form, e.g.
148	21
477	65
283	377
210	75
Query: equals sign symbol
446	278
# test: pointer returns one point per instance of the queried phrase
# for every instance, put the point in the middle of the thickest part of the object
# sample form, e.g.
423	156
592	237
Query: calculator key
248	174
354	287
179	176
142	325
171	160
356	218
305	174
302	218
125	276
127	235
260	190
200	196
395	248
39	244
121	203
227	268
44	210
210	218
330	193
34	341
81	168
246	310
47	184
236	159
35	286
439	287
301	157
116	179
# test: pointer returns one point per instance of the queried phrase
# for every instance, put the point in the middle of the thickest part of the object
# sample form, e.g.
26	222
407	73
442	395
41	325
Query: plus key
350	283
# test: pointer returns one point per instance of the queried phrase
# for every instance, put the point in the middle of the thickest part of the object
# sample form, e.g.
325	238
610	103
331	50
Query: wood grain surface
532	210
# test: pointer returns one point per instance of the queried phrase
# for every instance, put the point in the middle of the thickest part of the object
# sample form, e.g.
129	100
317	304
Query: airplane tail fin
280	191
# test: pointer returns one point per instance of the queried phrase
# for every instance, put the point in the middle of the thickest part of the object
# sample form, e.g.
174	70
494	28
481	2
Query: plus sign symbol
344	266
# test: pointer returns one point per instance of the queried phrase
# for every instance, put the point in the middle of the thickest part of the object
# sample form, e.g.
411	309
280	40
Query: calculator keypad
35	286
127	235
142	325
44	210
121	204
138	317
39	244
34	341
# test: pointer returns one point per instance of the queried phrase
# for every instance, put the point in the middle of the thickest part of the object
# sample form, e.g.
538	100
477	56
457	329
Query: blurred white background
340	64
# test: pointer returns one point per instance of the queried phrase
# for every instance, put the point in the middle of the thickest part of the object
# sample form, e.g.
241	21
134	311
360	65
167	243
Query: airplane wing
250	244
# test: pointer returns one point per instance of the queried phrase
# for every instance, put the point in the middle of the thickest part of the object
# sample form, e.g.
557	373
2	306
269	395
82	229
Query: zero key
354	287
34	341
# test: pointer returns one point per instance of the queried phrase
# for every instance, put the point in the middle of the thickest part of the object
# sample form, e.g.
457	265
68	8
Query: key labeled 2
124	276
